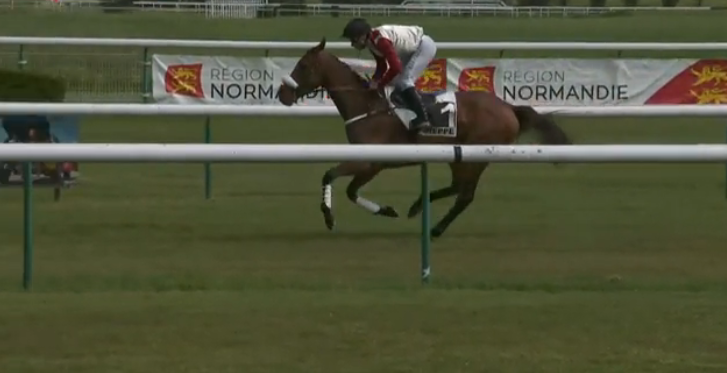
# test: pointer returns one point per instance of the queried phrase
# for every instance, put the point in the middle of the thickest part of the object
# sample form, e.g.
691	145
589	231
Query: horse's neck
350	101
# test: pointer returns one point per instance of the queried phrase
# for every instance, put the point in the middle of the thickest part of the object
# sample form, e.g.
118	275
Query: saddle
434	109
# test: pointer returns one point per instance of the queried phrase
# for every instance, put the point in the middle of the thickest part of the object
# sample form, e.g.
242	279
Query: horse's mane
360	79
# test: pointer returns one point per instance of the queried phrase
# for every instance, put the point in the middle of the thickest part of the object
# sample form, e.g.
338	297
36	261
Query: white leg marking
372	207
327	193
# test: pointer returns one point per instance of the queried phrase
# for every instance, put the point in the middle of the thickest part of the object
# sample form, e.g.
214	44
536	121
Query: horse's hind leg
434	195
466	177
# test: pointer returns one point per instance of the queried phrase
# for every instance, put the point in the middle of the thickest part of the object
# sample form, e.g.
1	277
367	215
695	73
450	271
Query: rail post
27	204
145	75
426	225
27	225
21	57
207	165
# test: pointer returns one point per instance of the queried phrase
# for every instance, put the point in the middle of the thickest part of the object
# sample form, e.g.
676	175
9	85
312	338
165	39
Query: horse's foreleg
358	181
341	169
466	177
327	198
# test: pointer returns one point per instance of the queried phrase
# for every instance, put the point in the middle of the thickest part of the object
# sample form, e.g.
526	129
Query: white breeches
415	64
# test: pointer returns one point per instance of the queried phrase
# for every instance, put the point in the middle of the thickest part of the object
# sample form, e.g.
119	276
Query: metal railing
253	8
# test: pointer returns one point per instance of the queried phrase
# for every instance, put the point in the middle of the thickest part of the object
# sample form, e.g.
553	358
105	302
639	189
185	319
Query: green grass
420	331
585	268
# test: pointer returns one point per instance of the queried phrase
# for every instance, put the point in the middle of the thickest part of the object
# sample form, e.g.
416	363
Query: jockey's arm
385	47
381	67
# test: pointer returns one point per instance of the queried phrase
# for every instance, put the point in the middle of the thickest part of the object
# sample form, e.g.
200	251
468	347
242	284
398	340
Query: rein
370	112
290	82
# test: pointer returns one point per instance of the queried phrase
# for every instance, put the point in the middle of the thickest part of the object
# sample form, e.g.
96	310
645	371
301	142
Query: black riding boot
414	102
396	97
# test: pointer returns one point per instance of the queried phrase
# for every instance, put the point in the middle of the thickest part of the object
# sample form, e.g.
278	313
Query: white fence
459	10
300	153
233	8
436	8
188	153
15	108
497	46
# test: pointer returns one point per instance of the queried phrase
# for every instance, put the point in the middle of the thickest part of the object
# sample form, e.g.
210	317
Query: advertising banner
538	82
231	80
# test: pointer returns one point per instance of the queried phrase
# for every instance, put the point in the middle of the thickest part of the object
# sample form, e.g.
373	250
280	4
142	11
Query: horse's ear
320	46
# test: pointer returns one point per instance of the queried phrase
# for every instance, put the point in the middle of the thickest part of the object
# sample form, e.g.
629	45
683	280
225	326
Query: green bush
669	2
598	3
28	87
631	2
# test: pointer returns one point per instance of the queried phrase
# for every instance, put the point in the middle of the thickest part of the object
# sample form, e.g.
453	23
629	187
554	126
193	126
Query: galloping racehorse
472	117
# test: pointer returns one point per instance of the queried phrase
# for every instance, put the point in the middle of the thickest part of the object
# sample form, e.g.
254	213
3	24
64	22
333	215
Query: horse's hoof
388	211
330	222
414	210
328	217
436	232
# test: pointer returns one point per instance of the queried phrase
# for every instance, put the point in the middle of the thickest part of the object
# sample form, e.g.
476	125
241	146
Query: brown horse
472	117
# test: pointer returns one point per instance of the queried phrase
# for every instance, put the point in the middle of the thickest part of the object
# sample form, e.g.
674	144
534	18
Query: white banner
537	82
561	82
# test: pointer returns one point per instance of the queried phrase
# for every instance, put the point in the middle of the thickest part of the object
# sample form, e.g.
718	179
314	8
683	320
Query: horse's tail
550	133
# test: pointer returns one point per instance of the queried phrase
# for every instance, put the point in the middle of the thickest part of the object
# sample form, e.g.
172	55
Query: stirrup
418	125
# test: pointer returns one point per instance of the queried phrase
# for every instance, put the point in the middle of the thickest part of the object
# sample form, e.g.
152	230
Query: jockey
402	54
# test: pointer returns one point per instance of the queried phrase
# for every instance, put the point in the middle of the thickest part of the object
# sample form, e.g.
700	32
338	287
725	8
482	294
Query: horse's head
318	68
307	75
